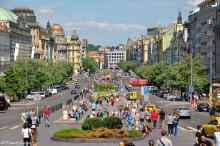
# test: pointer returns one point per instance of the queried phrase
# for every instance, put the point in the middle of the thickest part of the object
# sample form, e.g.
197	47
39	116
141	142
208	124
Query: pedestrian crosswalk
187	129
10	127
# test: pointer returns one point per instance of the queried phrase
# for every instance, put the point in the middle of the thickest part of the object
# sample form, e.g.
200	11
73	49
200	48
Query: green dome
6	15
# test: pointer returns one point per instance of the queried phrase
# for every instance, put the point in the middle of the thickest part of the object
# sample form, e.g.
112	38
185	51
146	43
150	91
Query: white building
114	57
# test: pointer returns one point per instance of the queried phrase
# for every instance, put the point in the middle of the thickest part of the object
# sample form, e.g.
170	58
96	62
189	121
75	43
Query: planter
99	140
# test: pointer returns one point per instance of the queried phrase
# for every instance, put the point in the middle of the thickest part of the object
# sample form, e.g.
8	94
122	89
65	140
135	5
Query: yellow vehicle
133	95
210	127
150	107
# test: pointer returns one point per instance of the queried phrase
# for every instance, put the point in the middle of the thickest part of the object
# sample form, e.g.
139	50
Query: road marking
15	127
181	128
193	129
4	127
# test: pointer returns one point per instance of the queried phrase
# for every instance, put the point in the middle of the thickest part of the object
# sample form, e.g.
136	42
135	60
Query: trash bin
65	115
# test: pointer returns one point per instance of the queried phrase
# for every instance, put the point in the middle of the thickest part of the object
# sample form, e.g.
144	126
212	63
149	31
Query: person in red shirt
46	113
154	118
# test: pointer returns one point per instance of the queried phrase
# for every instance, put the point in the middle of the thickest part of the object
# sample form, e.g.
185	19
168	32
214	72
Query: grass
97	133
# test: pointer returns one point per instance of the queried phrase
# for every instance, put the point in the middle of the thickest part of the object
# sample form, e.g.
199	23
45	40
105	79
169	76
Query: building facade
19	37
217	46
203	37
74	46
114	57
40	39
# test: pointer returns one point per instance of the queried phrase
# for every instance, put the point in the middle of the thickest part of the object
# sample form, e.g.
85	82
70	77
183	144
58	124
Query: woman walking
34	134
26	135
170	119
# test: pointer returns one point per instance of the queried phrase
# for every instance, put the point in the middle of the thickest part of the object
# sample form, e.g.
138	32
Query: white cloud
194	3
46	11
105	26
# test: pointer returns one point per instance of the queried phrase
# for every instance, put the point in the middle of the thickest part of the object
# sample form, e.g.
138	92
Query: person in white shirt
164	141
170	119
217	136
26	135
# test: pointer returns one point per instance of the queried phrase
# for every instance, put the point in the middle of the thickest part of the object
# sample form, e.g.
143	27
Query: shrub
112	123
91	123
133	133
67	133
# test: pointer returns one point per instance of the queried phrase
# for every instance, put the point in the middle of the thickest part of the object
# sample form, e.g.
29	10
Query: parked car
3	103
203	107
73	92
176	98
77	86
183	111
42	94
52	91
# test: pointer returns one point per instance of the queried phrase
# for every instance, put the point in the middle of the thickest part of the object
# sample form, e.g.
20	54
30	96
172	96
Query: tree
90	64
176	76
126	66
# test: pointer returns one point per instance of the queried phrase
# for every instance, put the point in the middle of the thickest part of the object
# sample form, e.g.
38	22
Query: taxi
210	128
151	107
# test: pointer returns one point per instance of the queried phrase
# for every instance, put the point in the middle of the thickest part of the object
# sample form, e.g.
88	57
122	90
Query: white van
53	91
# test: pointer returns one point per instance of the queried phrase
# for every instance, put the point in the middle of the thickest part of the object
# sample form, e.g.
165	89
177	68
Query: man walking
164	141
170	119
161	119
154	118
46	116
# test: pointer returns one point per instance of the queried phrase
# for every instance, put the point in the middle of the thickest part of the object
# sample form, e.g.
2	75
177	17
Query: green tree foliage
126	66
2	84
92	47
177	75
34	75
90	64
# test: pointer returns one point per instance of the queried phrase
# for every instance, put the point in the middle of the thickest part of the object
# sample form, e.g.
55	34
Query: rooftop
6	15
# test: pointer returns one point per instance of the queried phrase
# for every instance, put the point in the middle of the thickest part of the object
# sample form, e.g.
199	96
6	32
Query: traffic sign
145	90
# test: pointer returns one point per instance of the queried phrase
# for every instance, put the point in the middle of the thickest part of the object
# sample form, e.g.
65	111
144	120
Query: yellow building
74	48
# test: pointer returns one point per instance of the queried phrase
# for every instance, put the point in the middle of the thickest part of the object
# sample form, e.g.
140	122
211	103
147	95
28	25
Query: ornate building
74	47
60	50
17	34
39	34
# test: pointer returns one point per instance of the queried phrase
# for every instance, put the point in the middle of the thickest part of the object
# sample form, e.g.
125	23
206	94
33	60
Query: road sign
145	90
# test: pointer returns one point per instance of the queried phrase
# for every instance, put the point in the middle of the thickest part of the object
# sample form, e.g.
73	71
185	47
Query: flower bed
97	133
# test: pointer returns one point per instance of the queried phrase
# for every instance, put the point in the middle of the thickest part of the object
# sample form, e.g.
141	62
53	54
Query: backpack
175	121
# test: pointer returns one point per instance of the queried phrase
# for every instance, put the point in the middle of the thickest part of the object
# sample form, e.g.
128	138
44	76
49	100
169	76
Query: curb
100	140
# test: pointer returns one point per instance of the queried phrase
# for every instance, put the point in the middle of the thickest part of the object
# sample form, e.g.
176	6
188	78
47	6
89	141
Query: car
3	103
52	91
183	111
210	128
42	94
73	92
77	86
203	107
150	107
176	98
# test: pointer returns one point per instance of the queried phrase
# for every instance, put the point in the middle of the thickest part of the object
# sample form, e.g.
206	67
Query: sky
106	22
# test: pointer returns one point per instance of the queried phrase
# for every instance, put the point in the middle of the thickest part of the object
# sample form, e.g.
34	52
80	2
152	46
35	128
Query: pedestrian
29	121
164	141
154	118
161	119
46	116
130	120
142	118
34	120
34	134
175	124
170	124
217	136
26	135
148	120
198	135
205	142
8	103
151	142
